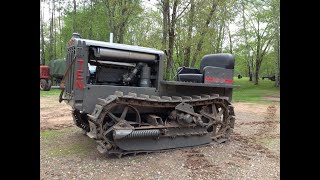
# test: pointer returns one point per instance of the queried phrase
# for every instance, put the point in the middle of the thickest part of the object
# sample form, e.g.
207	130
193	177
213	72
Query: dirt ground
253	151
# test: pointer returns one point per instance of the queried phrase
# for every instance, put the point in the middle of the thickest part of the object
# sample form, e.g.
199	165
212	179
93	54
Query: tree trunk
165	13
118	14
187	49
251	69
51	35
249	72
277	44
278	61
221	32
124	21
230	41
222	40
219	39
55	31
74	26
203	33
110	17
91	21
249	61
258	55
256	74
42	37
171	38
60	28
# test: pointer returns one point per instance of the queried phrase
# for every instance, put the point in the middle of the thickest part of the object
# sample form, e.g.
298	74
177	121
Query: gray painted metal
93	43
123	55
93	92
219	74
87	97
93	101
162	143
199	85
174	88
114	63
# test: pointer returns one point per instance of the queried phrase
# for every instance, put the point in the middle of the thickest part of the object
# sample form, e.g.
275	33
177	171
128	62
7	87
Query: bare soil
253	151
54	115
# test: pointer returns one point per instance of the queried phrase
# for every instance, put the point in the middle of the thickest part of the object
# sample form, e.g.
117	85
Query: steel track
105	145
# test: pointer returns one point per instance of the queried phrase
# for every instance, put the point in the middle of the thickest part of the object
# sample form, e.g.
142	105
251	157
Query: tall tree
203	33
221	23
55	31
51	48
59	19
263	34
248	55
187	49
165	21
119	13
230	40
91	19
42	35
276	14
172	25
74	27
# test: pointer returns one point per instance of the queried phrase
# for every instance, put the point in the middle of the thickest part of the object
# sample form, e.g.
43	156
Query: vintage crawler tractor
127	107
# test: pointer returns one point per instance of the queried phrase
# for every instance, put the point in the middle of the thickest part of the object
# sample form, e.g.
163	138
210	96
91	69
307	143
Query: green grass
52	92
49	134
52	134
66	142
248	92
80	148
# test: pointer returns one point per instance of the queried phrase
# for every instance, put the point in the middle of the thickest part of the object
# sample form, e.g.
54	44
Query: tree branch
183	10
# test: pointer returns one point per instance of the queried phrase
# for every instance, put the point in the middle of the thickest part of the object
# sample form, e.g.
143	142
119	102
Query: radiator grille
69	84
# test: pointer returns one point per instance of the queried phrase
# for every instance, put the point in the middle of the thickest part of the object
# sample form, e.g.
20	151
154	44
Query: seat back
214	68
218	75
222	60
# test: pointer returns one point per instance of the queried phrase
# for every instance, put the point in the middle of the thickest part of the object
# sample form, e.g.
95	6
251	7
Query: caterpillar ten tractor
127	107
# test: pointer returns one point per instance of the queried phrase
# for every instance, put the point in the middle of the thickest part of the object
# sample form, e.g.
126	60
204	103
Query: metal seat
221	61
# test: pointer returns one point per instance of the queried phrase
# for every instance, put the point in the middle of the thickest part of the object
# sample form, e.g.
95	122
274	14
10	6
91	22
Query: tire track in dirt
250	144
200	166
269	122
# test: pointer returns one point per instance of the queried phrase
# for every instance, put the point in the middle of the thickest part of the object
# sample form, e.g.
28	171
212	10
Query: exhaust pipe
111	37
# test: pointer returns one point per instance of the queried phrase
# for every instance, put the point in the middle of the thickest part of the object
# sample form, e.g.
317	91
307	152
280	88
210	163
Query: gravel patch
253	151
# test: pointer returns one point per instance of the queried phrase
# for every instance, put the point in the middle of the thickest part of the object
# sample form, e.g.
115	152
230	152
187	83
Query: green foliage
143	27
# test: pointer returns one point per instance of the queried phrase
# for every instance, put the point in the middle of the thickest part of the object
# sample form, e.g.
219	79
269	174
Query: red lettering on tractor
79	73
228	80
211	79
